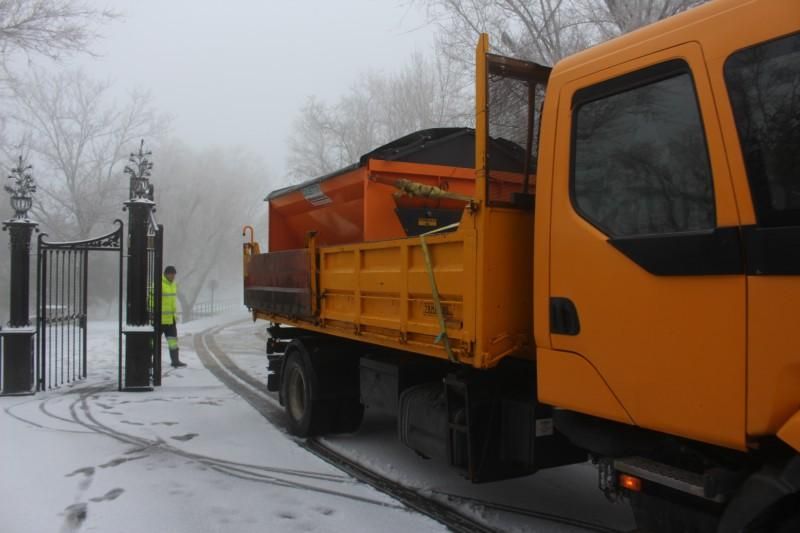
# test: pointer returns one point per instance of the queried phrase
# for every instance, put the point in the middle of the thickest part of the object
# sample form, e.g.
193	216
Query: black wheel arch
763	492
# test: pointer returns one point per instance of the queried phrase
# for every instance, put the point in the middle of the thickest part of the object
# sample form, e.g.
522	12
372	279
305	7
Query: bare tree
204	198
48	27
311	147
5	264
544	31
424	94
377	109
45	28
79	139
615	17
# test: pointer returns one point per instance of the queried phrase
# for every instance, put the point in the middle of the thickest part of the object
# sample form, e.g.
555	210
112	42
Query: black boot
176	363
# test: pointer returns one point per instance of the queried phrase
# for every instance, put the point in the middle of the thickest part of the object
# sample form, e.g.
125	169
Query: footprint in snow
188	436
121	460
74	517
87	472
111	495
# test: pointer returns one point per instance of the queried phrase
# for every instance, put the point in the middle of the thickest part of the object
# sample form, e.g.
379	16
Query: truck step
699	485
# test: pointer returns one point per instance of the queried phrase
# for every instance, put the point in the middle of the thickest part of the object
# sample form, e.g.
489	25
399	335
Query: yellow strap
437	301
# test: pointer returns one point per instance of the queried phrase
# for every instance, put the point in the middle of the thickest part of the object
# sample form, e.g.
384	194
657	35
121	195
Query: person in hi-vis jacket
169	307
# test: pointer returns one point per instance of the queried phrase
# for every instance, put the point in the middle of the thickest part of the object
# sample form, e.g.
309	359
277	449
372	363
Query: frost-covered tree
544	31
203	198
48	27
312	150
376	109
51	29
621	16
5	264
31	30
79	140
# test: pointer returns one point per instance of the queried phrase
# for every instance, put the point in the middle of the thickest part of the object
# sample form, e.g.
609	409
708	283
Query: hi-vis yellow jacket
169	301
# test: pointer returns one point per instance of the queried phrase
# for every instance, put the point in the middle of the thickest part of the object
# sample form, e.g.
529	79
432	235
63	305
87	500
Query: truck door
646	278
762	82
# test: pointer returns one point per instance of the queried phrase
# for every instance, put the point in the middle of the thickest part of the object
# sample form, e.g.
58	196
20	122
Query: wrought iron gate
61	295
155	254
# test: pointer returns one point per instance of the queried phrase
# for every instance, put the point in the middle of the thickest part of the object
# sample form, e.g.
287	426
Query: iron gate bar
157	256
62	300
119	304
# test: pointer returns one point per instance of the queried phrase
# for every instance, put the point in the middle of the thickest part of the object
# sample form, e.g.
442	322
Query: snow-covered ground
192	456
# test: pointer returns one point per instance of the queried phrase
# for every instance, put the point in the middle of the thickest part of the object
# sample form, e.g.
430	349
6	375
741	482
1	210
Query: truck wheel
350	413
307	415
656	514
783	517
790	524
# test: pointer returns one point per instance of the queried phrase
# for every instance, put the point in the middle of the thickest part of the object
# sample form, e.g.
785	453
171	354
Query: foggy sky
237	72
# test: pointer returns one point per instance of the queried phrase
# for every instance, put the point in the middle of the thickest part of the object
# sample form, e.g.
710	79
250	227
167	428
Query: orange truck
605	269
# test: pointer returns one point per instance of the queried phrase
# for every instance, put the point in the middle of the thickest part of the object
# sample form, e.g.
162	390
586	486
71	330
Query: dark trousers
170	331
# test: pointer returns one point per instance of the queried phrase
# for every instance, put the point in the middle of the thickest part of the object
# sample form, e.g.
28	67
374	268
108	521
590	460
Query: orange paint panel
400	168
372	287
355	207
505	284
671	348
380	219
774	346
790	432
570	381
773	357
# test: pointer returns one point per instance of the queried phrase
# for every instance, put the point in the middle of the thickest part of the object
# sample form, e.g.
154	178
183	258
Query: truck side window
764	87
639	162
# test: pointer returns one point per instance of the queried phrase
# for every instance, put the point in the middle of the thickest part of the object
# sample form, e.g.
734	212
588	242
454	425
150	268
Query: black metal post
158	246
138	219
17	370
18	361
138	331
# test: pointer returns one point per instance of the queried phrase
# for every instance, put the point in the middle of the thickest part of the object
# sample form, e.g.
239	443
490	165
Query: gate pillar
18	360
16	355
139	334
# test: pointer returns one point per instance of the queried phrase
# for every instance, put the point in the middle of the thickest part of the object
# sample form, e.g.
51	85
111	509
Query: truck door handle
564	317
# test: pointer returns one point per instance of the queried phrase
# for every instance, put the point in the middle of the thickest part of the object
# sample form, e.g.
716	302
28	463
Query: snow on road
569	491
192	456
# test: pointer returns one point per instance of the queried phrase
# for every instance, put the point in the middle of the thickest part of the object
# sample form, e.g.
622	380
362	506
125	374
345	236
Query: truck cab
667	233
621	287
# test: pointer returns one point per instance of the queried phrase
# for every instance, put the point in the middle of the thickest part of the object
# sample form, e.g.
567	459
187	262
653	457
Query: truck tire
783	517
308	416
768	501
657	514
790	524
349	414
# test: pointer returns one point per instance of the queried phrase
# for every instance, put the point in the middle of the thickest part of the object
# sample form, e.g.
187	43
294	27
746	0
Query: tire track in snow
254	392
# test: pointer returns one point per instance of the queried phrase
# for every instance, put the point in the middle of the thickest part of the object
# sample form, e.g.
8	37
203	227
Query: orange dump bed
360	203
348	256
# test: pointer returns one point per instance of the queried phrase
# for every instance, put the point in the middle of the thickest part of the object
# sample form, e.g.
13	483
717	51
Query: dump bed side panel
383	290
280	282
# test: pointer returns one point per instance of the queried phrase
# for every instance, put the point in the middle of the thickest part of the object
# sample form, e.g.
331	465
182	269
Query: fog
238	99
238	74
